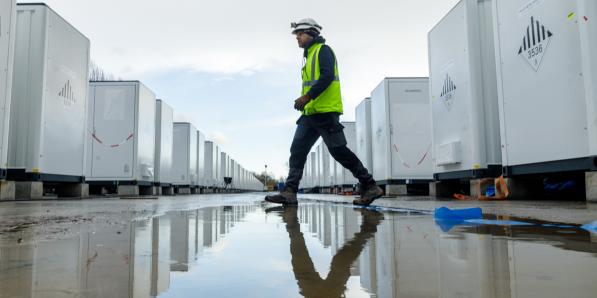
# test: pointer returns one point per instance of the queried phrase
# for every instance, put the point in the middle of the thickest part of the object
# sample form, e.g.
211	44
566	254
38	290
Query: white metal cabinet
49	95
200	159
7	44
211	164
323	164
164	142
343	176
184	163
545	81
122	126
363	133
401	130
466	133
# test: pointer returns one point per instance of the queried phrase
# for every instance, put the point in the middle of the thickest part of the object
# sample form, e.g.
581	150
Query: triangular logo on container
448	92
535	43
67	93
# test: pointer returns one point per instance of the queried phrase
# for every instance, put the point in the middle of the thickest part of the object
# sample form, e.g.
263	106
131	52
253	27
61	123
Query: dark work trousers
327	126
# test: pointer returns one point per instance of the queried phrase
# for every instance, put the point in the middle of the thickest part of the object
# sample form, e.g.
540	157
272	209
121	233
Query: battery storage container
363	133
122	132
401	131
184	163
164	142
211	164
343	176
224	173
546	79
323	164
466	133
49	97
7	44
200	159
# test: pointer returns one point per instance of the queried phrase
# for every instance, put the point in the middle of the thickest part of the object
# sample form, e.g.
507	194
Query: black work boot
286	197
369	193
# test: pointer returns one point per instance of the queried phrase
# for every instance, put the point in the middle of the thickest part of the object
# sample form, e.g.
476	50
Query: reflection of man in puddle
309	281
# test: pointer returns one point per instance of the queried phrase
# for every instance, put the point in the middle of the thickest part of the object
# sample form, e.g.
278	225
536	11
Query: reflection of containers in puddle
473	266
540	270
183	240
332	225
108	262
118	260
404	263
16	272
160	258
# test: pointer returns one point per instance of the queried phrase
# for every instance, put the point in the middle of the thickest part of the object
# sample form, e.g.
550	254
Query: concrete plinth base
183	191
168	191
128	190
29	190
396	190
348	189
78	190
478	187
439	189
7	191
149	191
591	186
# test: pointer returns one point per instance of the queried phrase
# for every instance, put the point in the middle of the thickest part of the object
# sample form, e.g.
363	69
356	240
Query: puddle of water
315	250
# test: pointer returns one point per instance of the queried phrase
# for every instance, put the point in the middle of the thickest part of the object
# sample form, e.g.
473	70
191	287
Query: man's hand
301	102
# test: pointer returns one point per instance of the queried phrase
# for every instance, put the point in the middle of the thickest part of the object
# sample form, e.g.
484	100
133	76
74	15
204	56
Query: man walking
321	107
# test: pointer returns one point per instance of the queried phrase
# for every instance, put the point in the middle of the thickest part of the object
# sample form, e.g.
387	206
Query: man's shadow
309	281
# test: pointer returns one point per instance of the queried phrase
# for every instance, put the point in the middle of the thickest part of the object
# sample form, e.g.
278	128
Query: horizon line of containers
58	127
512	91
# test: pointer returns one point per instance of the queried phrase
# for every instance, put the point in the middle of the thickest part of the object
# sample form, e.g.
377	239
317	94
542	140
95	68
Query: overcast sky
232	67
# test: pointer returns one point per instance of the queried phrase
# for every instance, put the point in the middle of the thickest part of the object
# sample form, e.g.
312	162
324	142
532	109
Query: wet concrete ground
238	246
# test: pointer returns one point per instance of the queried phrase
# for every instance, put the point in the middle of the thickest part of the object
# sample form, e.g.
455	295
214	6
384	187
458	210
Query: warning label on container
448	92
535	43
68	95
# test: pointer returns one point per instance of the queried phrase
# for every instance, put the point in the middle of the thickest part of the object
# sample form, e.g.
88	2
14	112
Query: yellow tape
571	16
35	170
476	166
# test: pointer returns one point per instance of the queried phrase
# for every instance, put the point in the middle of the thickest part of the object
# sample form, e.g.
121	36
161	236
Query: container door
7	22
541	82
113	128
379	133
65	99
410	130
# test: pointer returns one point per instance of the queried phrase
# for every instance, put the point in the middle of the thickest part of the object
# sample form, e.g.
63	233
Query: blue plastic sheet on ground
498	222
445	213
447	218
591	227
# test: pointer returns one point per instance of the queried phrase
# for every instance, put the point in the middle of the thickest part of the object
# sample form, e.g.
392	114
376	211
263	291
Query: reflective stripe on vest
330	100
313	80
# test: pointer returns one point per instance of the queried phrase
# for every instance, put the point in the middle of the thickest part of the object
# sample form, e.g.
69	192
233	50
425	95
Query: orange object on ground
501	192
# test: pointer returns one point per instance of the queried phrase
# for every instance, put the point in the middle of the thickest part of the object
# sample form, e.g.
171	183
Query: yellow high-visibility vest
329	100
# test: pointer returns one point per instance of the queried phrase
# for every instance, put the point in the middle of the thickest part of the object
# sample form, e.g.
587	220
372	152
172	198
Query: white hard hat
305	24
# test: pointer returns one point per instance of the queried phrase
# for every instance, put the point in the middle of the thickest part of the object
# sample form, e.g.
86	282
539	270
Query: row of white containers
391	137
512	89
322	170
56	126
